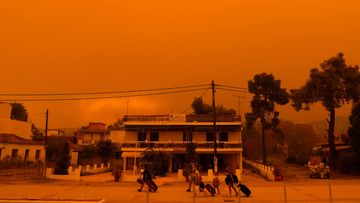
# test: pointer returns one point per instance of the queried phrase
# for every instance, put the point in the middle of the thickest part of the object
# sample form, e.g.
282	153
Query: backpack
235	178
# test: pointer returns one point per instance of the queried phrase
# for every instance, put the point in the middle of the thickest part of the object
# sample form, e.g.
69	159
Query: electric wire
104	97
104	92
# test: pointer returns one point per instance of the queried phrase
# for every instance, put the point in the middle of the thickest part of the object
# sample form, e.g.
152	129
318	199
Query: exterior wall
165	136
117	136
235	136
6	150
7	125
199	136
130	136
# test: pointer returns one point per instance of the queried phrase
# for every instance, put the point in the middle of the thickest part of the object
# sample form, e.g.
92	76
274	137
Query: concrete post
95	167
87	167
240	166
180	174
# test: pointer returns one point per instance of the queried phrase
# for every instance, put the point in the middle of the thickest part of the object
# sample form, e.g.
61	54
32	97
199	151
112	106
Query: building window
141	136
224	136
14	154
26	157
209	137
37	154
154	136
187	136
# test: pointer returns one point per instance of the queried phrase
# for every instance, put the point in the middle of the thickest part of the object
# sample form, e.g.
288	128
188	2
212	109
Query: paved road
343	190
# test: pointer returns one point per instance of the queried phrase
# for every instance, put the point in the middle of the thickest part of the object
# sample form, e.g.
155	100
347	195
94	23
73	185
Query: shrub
348	163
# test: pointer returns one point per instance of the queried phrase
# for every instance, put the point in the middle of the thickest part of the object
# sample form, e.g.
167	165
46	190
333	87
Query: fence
263	170
74	173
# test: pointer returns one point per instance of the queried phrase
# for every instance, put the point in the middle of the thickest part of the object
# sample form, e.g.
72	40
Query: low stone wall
88	169
263	170
74	174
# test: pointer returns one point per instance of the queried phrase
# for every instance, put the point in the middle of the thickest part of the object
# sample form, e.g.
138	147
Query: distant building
14	147
92	134
171	134
10	126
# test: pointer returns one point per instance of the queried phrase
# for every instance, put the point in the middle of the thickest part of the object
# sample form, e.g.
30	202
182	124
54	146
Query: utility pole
46	131
46	126
214	128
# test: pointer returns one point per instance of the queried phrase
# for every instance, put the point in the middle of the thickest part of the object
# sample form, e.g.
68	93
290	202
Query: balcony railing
209	118
181	146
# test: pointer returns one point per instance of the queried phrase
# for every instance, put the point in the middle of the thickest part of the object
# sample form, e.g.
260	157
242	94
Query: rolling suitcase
201	186
244	189
152	186
210	189
139	180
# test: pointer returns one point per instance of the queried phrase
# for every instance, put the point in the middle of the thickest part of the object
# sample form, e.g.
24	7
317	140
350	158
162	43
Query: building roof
14	139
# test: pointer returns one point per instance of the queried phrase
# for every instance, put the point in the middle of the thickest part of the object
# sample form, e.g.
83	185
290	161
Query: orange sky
76	46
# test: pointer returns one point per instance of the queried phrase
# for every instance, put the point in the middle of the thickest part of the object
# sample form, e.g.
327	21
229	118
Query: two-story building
15	139
92	134
170	134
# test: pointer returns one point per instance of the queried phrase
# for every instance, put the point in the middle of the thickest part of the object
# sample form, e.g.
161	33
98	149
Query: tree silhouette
267	93
200	107
18	112
334	84
354	129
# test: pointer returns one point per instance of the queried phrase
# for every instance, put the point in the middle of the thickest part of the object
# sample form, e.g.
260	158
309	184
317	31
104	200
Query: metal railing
180	145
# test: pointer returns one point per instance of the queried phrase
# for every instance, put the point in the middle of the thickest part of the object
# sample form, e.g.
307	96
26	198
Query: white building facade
170	134
10	126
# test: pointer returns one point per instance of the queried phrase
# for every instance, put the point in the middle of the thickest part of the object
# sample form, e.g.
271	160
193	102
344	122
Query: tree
63	163
37	135
200	107
157	161
18	112
354	129
105	149
267	93
87	155
334	84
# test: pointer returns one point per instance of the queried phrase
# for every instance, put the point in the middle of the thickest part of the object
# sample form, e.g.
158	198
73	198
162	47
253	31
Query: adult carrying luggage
244	189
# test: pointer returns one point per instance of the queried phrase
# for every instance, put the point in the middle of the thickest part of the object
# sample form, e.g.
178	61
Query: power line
104	92
233	90
232	87
104	97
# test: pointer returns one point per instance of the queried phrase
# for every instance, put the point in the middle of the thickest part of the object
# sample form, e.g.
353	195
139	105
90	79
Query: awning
131	154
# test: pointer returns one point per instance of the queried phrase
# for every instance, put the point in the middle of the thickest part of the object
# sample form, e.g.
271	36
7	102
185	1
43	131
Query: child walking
216	182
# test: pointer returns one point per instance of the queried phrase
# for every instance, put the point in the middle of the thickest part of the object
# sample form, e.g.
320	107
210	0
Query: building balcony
180	146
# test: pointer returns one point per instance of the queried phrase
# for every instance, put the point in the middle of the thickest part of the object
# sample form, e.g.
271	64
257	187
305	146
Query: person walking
216	182
145	177
229	180
195	179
